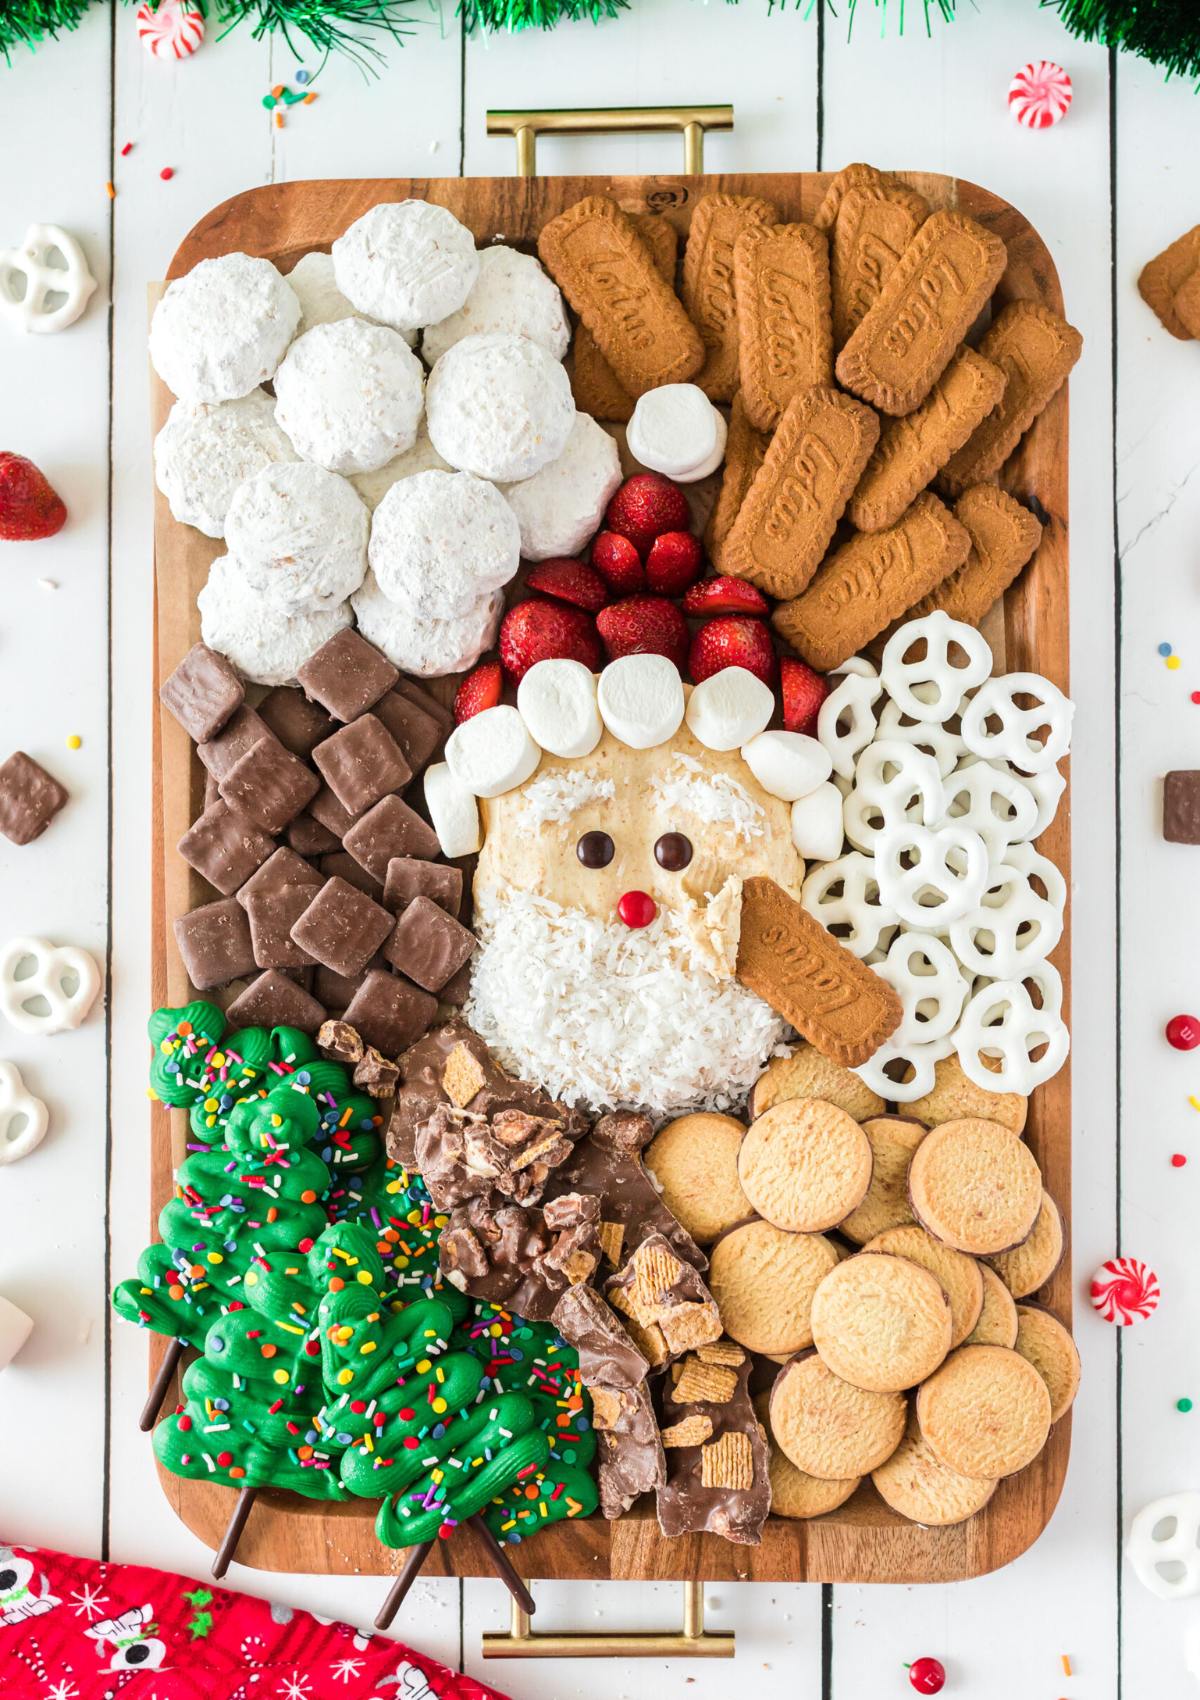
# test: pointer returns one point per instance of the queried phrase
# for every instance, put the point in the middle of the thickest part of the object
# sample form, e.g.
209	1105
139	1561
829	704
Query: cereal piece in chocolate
728	1462
339	1042
726	1352
307	837
240	733
377	1075
225	848
202	693
214	942
428	945
505	1253
718	1484
610	1165
347	675
698	1380
386	831
631	1457
408	877
272	1000
1181	806
338	864
361	763
607	1354
464	1155
418	734
29	798
281	869
272	916
269	785
299	725
342	928
665	1299
462	1077
692	1431
389	1013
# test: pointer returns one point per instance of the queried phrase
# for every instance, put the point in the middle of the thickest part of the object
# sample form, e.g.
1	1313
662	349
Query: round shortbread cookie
1047	1345
975	1186
997	1325
763	1281
693	1161
805	1165
954	1096
914	1483
958	1274
513	294
986	1413
1033	1262
794	1493
880	1322
829	1429
893	1139
808	1074
406	263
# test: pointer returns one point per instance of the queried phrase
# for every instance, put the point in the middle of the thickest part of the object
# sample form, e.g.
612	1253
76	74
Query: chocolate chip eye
673	852
595	849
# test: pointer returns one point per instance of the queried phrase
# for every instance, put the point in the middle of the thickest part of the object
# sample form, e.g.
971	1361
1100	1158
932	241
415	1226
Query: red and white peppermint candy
1124	1290
171	30
1039	94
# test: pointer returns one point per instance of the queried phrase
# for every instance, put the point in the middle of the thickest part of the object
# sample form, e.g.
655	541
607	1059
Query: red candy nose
637	909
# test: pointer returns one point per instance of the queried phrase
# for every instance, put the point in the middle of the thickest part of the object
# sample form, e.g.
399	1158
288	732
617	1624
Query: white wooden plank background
1107	189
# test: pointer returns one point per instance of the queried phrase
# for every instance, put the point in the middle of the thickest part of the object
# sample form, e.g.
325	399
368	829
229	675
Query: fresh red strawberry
546	631
674	561
724	596
618	563
569	581
30	507
803	693
732	641
644	625
644	507
479	690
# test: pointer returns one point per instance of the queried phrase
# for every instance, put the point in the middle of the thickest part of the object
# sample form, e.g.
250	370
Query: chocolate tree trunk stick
502	1565
233	1531
399	1589
158	1387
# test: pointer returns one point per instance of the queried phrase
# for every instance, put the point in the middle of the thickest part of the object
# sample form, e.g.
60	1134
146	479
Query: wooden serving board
863	1541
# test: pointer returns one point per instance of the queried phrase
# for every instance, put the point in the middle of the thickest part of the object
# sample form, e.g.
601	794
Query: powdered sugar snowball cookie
406	263
676	430
512	293
266	643
221	331
349	395
427	648
299	534
422	457
442	540
560	508
321	301
499	407
207	449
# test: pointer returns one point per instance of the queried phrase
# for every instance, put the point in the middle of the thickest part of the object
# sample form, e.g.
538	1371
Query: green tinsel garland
1166	32
23	23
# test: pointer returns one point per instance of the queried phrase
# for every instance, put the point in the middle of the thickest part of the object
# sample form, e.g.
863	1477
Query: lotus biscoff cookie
849	177
954	1096
975	1186
785	332
1035	349
911	449
915	1484
1187	304
1032	1263
594	384
997	1325
794	1493
808	1074
958	1275
881	1322
874	225
793	964
800	491
804	1165
708	288
605	270
924	310
985	1413
694	1162
1165	275
870	581
827	1427
763	1280
1047	1345
892	1139
745	451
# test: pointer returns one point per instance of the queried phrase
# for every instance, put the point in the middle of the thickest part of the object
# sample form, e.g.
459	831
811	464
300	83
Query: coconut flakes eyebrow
555	797
716	798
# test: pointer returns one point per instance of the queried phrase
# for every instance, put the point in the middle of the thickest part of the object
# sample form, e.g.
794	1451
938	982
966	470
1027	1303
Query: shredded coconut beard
608	1017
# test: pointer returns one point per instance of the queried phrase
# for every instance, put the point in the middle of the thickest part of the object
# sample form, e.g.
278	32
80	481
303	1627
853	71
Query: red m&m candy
927	1676
1183	1031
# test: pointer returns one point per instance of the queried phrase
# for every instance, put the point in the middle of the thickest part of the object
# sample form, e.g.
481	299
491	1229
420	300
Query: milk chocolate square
455	990
416	731
1181	806
437	711
29	798
240	733
203	692
339	864
342	928
337	990
224	847
409	877
282	869
272	916
269	785
362	763
387	830
272	1000
214	942
390	1013
347	675
308	837
329	813
299	725
428	945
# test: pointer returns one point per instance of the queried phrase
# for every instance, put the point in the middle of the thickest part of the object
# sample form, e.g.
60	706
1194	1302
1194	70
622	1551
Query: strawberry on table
644	625
30	507
644	507
732	641
673	562
803	693
724	596
479	690
546	631
618	563
569	581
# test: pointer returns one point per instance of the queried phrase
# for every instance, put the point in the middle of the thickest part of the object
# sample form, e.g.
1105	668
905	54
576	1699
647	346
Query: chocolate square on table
408	877
282	869
225	848
308	837
269	785
240	733
390	1013
347	675
391	828
342	928
272	1000
428	945
418	734
1181	806
361	763
336	990
214	942
299	724
454	992
338	864
329	813
29	798
272	916
202	693
437	711
212	789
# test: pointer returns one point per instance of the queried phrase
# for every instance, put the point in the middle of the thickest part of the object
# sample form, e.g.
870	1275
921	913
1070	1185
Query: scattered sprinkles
1184	1405
1178	1160
74	742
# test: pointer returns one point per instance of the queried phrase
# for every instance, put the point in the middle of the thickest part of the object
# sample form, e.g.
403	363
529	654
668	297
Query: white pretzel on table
1011	931
853	700
931	996
894	782
1167	1563
972	791
18	1104
1013	741
946	747
1010	1040
945	684
949	864
53	966
858	905
921	1059
39	280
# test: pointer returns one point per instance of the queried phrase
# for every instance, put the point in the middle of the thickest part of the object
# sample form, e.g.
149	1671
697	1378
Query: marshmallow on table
264	641
492	752
640	698
422	457
406	263
677	431
453	812
512	294
299	535
817	823
440	541
560	508
557	701
206	449
428	648
15	1329
787	764
349	395
729	708
499	406
222	330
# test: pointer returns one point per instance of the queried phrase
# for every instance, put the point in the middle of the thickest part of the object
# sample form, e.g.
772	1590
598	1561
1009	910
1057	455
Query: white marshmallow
512	294
729	708
492	752
453	812
265	642
441	540
817	829
787	764
677	431
427	648
222	330
349	395
640	698
560	508
406	263
499	406
207	448
299	534
422	457
557	702
15	1329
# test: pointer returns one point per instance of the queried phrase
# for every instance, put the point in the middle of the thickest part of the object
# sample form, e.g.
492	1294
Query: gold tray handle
693	121
692	1642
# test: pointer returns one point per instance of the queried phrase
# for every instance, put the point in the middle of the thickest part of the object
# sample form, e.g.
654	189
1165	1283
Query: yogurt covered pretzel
1013	740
